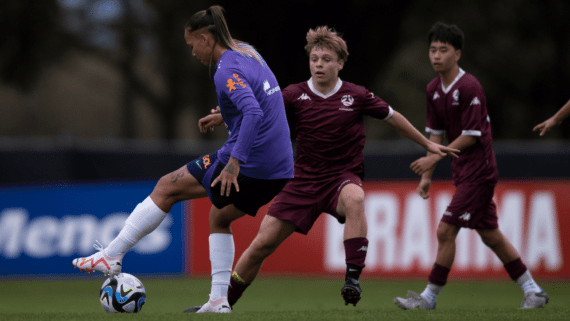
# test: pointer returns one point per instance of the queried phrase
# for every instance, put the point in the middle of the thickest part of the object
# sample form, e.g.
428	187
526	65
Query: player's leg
351	206
222	252
534	295
272	233
145	218
446	235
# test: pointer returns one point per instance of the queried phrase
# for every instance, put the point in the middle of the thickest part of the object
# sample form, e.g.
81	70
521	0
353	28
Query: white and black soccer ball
122	293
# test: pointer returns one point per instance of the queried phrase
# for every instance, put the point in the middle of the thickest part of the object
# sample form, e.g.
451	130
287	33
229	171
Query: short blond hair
325	37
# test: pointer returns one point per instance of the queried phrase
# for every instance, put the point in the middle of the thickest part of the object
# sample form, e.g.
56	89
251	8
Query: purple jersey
329	129
461	109
250	99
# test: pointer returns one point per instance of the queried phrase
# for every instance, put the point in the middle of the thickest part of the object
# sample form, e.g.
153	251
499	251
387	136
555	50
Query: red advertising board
533	215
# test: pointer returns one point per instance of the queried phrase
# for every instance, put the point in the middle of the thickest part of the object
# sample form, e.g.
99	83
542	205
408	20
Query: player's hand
227	177
545	126
425	163
208	122
423	188
441	150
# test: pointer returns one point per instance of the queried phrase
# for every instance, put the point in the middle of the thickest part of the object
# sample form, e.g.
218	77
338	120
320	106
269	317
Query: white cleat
100	262
413	301
534	300
220	305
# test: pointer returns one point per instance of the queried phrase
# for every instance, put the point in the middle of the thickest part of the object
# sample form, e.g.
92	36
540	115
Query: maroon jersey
329	129
461	109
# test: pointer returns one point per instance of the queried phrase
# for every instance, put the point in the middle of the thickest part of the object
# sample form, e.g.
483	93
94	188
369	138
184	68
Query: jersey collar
459	75
318	93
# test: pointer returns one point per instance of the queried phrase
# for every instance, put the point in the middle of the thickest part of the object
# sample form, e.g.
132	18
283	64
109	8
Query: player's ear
457	55
341	63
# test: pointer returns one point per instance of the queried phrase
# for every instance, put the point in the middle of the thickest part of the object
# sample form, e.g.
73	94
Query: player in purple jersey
246	173
554	120
456	107
327	115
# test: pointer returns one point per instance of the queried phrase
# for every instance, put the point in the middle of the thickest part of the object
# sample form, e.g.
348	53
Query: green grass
280	299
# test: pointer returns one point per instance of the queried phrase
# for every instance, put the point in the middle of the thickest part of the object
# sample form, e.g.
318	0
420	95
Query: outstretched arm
403	126
554	120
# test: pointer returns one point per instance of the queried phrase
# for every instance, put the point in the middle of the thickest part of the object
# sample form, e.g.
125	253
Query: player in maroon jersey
456	107
327	117
556	119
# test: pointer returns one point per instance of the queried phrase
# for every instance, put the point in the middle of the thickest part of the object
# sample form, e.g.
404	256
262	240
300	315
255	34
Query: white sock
144	219
527	283
222	252
430	293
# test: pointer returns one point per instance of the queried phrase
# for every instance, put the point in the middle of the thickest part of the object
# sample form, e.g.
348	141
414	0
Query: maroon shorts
472	206
302	201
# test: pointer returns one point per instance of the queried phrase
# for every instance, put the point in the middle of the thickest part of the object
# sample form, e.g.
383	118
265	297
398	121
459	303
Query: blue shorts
253	194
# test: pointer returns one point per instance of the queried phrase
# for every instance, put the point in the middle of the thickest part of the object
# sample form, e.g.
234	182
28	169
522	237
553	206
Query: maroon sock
355	250
235	291
438	275
515	268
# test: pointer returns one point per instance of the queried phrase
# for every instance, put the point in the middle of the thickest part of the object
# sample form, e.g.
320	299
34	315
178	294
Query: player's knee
353	203
261	249
492	240
445	234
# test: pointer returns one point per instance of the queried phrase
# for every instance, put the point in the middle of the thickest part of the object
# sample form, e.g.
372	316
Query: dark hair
445	33
214	23
325	37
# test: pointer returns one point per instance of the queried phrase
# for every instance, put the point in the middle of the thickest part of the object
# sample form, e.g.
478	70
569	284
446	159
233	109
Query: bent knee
446	233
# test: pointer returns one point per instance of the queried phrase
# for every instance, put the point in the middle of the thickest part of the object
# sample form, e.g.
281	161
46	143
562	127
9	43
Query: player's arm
403	126
554	120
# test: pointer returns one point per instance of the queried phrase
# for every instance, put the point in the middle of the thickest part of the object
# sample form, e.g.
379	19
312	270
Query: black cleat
351	291
193	309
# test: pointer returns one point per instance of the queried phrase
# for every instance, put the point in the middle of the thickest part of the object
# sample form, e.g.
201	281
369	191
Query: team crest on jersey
347	100
456	97
235	84
435	96
304	96
475	101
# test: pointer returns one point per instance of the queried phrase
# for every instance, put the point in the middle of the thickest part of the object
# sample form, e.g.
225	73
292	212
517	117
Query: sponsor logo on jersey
475	101
466	216
235	84
372	94
435	96
456	97
268	91
304	96
347	100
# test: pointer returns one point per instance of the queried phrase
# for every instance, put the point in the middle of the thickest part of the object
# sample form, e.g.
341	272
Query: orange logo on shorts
206	161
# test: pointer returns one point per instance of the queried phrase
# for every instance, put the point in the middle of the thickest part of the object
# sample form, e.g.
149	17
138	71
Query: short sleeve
375	107
471	111
434	124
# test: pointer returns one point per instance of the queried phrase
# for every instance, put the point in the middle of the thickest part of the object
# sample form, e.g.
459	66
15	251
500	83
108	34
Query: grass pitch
280	299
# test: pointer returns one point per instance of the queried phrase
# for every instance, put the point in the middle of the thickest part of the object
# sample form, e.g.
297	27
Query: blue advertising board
43	228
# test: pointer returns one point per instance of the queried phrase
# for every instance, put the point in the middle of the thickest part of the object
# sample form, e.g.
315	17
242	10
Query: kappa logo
475	101
435	96
363	248
304	96
347	100
466	216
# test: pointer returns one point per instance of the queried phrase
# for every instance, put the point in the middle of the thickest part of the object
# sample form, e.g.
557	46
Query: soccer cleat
100	262
351	291
413	301
534	300
193	309
220	305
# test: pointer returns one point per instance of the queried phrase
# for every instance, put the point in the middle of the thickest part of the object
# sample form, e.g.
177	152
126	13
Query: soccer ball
122	293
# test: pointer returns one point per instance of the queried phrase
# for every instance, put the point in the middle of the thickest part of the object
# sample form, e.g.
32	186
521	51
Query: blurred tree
31	40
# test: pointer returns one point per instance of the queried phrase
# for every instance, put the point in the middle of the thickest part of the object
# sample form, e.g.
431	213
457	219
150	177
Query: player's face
443	56
199	43
325	65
